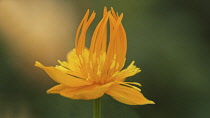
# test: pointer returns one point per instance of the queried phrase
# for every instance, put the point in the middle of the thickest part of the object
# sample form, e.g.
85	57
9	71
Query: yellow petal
56	89
127	95
86	93
63	78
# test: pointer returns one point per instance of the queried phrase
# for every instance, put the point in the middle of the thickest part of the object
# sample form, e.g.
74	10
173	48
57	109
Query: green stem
97	108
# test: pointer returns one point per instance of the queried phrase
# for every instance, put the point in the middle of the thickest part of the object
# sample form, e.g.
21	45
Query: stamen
123	83
134	83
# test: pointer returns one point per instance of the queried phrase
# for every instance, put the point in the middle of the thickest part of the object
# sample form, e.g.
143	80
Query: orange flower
90	73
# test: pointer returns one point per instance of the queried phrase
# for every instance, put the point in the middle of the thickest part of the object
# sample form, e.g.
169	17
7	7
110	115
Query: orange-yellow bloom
90	73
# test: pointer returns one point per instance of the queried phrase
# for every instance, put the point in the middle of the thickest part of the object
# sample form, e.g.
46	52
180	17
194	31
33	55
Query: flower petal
85	93
127	95
63	78
56	89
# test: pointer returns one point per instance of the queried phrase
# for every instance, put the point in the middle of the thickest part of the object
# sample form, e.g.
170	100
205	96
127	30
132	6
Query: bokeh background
168	39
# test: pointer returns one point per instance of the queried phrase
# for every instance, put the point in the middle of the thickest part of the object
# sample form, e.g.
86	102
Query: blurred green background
168	39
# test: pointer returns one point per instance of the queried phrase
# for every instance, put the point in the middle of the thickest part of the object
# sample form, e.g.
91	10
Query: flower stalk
97	108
